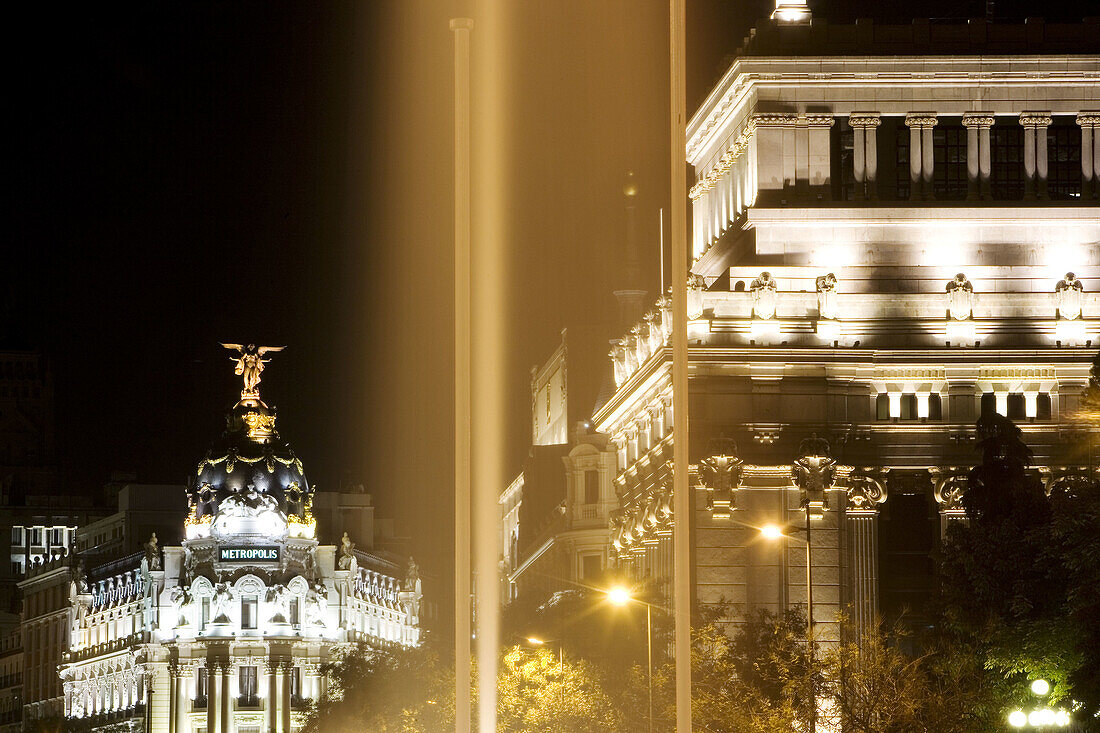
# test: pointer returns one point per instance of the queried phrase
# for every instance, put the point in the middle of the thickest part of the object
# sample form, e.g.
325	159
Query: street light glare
1017	719
771	531
619	595
1040	687
534	640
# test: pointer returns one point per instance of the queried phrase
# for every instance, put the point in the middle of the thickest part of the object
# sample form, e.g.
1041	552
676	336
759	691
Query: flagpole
461	28
681	534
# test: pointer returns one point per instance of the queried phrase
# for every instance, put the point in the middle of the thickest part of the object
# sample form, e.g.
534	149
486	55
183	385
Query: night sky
280	173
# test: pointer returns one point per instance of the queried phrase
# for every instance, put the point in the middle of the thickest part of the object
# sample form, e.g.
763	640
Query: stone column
272	670
284	697
183	695
921	158
1090	153
866	490
213	696
174	703
977	126
865	152
224	702
1035	153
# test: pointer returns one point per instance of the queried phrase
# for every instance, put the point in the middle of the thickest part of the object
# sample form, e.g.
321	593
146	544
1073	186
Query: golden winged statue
250	363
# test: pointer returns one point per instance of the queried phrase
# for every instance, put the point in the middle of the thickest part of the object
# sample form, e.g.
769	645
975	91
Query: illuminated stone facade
227	633
885	219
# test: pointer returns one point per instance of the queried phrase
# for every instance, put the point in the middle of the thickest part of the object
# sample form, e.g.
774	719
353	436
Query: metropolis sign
248	553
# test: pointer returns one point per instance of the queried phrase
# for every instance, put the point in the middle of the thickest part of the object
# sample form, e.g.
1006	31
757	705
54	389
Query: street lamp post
774	532
620	596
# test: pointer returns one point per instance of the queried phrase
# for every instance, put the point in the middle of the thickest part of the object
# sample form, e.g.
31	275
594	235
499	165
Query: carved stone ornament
814	472
921	119
960	298
346	556
764	296
866	489
1035	119
250	363
864	119
826	296
695	286
978	119
950	485
1070	293
152	552
721	473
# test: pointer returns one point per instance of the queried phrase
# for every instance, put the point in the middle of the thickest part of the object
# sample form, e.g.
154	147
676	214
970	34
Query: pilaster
866	491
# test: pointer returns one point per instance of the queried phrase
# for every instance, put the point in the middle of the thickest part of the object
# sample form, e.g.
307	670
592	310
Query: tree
540	692
1019	580
386	690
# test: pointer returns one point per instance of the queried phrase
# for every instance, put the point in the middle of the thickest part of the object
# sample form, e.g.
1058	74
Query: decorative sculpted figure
1070	293
220	603
960	298
317	605
412	577
152	552
278	599
814	472
346	547
764	296
721	473
826	296
866	489
250	363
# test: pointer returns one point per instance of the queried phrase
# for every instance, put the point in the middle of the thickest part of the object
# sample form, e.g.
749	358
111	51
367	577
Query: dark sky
280	173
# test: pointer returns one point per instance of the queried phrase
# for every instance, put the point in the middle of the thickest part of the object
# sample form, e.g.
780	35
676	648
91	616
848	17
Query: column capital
866	490
1089	118
978	119
1035	119
818	120
949	484
775	119
864	119
921	119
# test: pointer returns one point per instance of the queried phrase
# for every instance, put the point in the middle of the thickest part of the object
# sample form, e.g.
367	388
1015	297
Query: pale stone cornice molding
864	119
1035	119
978	119
775	119
921	119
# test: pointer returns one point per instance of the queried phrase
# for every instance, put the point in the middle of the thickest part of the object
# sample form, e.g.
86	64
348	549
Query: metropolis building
227	632
896	229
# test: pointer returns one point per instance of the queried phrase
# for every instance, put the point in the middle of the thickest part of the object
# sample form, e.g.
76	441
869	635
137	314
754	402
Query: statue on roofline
250	363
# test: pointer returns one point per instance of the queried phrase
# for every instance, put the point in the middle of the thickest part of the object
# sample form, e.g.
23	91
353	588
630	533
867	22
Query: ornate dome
250	466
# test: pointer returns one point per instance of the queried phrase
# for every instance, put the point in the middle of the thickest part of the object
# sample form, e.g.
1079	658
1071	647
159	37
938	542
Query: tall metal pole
649	658
681	534
810	626
463	426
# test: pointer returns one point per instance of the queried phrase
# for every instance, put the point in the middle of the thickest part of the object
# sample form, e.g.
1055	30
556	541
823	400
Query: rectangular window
1017	408
591	487
36	536
205	612
1064	160
16	536
989	404
200	686
949	154
591	566
908	407
57	538
1006	177
247	684
294	613
844	178
882	407
935	407
1042	406
248	612
901	163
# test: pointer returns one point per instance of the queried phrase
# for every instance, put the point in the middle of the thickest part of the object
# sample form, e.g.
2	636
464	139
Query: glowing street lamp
1040	717
536	641
619	595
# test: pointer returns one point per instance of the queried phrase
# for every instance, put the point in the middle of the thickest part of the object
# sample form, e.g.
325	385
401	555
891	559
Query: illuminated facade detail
895	311
228	632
